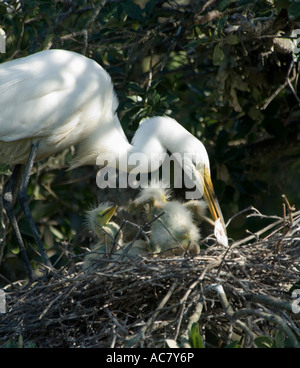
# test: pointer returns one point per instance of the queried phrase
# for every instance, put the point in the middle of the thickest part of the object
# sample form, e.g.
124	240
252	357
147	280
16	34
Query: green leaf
4	169
218	55
56	232
195	338
133	10
279	339
20	342
223	4
264	342
233	344
232	39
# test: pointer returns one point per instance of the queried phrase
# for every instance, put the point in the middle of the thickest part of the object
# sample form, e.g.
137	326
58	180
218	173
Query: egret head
196	167
155	194
164	134
99	216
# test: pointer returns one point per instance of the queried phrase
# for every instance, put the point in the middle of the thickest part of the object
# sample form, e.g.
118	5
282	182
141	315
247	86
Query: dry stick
293	90
150	70
115	321
140	335
206	5
292	220
250	208
288	81
114	338
291	323
245	240
183	304
286	226
95	13
194	318
161	304
2	225
227	308
290	208
63	296
269	300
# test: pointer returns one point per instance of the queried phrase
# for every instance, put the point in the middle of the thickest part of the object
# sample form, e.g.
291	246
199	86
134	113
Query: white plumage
97	220
175	230
56	98
59	98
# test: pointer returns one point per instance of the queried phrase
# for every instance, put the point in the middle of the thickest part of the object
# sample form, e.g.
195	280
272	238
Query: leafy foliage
13	345
279	341
196	341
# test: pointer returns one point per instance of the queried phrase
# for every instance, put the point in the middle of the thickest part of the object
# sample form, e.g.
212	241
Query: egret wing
45	91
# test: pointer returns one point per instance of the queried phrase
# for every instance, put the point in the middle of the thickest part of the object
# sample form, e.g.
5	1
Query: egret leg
24	202
8	205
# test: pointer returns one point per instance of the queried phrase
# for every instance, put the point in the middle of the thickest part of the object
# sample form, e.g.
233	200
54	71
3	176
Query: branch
288	82
228	310
272	318
270	301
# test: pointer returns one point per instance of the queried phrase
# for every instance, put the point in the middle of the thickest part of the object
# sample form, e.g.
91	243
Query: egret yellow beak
103	217
210	196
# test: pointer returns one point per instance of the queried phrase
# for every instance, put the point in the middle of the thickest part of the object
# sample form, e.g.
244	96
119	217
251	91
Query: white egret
54	99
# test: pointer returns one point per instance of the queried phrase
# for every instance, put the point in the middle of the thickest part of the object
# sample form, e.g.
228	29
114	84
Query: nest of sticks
234	295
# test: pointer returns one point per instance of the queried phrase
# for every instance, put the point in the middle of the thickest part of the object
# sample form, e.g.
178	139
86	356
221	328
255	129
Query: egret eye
200	166
99	217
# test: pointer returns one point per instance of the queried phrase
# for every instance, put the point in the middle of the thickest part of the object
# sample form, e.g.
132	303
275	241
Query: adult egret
175	230
54	99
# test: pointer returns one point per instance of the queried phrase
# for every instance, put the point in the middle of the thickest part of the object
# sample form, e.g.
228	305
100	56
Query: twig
228	310
141	334
286	226
272	318
270	301
250	208
265	229
146	302
206	5
287	82
183	301
115	321
194	318
290	208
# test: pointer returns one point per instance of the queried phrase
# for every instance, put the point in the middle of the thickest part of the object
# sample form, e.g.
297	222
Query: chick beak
108	214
